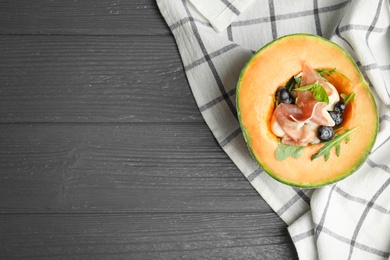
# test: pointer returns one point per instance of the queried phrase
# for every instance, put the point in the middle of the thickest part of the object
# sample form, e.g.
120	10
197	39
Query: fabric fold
221	13
302	234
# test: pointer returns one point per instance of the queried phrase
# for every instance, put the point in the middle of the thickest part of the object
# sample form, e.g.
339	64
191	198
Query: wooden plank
145	236
103	153
121	167
106	17
93	79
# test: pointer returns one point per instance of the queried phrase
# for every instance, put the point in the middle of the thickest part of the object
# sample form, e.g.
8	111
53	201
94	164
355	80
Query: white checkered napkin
221	13
213	60
351	219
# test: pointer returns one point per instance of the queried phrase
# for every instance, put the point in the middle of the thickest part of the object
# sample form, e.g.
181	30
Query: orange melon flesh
271	67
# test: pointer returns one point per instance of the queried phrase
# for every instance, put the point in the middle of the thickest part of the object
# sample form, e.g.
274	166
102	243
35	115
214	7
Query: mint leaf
319	92
283	151
320	95
335	142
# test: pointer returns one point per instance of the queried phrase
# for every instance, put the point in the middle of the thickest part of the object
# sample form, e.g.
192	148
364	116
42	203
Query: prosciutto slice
312	110
283	115
308	136
300	121
310	76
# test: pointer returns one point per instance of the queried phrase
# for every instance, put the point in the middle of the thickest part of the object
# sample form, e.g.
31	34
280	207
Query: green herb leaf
348	98
283	151
326	156
290	84
329	72
324	72
308	87
335	142
338	150
297	80
319	92
320	95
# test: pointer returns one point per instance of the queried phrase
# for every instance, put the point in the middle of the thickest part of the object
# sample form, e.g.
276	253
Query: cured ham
283	114
298	129
297	123
308	136
310	76
312	110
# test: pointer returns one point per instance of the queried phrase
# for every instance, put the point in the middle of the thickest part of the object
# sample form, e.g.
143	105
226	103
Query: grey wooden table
103	152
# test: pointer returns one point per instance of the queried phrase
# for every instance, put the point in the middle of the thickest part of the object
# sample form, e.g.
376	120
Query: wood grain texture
145	236
127	167
84	17
93	79
103	151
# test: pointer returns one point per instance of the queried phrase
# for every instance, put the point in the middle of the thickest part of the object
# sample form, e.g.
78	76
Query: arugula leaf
290	84
283	151
319	92
338	150
335	142
348	98
297	80
329	72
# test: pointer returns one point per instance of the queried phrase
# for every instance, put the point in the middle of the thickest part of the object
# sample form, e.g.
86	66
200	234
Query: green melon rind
247	137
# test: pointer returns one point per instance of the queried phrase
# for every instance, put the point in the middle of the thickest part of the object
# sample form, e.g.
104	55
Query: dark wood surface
103	151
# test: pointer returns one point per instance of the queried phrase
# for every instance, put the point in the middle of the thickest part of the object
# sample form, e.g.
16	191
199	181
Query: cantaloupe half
271	67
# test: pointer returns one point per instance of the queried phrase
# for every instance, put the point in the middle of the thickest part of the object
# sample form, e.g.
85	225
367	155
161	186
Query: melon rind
248	136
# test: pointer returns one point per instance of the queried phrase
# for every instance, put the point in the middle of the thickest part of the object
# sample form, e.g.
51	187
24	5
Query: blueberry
284	96
325	133
337	117
339	106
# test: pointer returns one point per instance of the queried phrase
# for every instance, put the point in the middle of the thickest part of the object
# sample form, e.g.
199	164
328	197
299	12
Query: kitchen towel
215	38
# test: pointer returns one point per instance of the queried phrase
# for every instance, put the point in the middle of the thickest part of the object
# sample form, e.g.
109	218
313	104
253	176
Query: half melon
271	67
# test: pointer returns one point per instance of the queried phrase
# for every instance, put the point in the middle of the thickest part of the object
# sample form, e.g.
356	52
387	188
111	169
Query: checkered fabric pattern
347	220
